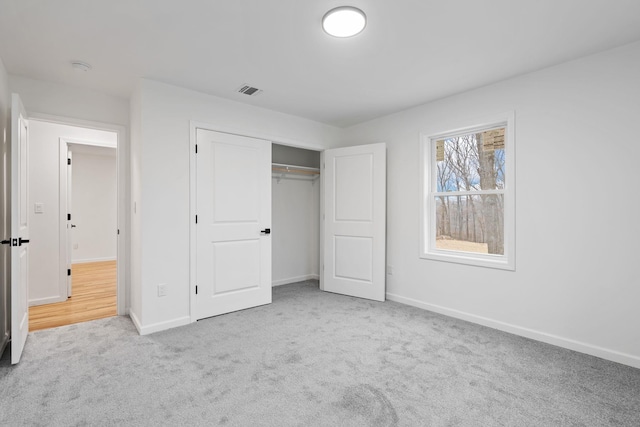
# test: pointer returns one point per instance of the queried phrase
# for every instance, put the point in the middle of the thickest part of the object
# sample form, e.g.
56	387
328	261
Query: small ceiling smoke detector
80	66
249	90
344	21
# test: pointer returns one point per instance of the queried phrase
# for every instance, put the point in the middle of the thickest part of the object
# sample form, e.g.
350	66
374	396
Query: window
468	195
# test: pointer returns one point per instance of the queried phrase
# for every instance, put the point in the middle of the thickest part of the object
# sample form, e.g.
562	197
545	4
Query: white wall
576	279
5	225
284	154
295	230
69	101
163	194
44	268
94	201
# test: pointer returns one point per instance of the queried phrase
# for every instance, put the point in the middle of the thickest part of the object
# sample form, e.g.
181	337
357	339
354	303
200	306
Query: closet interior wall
295	215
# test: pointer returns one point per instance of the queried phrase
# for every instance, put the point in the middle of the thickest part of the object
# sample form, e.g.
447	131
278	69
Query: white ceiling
412	51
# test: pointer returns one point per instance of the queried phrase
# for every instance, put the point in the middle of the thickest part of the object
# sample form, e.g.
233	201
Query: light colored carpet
311	359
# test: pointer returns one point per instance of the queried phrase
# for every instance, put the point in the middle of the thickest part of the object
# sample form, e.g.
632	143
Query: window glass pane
470	223
470	162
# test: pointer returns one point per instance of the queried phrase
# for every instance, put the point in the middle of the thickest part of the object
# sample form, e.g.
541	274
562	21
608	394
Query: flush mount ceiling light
344	21
80	66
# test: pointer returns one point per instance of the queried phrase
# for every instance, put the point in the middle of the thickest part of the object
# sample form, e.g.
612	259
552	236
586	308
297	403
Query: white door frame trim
122	161
193	126
63	152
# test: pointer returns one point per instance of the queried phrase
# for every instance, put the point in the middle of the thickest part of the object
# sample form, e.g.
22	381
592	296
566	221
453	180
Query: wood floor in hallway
93	297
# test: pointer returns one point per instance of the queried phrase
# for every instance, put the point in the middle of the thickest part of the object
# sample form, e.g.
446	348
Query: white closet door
355	221
233	204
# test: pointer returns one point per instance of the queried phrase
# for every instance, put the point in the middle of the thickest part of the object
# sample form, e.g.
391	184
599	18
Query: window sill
477	260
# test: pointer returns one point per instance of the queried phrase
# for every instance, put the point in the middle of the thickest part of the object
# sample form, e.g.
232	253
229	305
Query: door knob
266	231
73	226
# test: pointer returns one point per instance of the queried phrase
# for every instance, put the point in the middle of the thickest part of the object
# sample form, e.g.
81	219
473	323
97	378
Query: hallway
94	297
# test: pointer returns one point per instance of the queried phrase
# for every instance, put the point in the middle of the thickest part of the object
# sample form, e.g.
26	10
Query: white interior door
19	228
233	205
70	225
355	221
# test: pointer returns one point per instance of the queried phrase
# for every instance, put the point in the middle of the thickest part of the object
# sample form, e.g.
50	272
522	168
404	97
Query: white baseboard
87	260
157	327
281	282
47	300
581	347
135	321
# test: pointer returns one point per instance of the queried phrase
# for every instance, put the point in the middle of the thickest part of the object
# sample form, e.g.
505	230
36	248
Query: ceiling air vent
249	90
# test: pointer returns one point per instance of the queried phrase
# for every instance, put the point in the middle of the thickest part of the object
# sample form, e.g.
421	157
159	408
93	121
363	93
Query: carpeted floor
311	359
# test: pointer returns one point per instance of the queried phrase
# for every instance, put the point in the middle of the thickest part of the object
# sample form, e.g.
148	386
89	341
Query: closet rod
301	170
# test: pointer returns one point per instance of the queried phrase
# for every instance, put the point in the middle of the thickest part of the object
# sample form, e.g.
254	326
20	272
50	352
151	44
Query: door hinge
118	231
68	272
196	219
196	148
196	289
68	217
68	161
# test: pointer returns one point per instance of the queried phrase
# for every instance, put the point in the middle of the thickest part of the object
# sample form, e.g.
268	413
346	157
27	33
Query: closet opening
295	214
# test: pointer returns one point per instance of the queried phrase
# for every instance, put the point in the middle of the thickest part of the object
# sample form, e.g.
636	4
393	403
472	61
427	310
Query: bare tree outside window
469	193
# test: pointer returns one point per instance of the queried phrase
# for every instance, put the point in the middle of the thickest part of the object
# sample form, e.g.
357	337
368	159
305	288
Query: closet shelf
301	173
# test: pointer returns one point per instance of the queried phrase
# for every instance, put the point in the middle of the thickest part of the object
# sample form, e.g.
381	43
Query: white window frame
428	249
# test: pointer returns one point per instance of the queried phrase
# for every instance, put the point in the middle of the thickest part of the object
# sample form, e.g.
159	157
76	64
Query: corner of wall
159	326
136	322
135	226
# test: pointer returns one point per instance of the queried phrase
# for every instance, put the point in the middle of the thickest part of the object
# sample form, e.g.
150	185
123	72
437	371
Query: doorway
74	214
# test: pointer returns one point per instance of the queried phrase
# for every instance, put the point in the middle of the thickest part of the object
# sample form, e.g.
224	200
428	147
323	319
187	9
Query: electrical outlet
162	290
390	270
75	246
